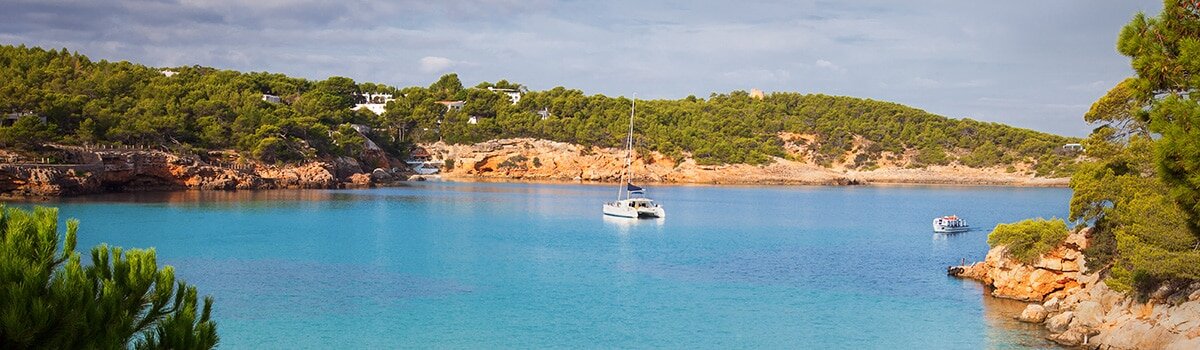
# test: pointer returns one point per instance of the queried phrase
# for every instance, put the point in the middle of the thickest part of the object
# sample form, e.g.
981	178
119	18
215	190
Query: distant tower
756	93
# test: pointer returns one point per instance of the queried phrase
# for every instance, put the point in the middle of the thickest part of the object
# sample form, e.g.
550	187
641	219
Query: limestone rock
360	180
1033	313
1051	305
1060	322
1071	337
536	159
1055	274
1088	314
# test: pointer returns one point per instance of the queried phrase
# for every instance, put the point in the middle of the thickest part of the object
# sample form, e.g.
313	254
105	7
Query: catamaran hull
627	212
950	229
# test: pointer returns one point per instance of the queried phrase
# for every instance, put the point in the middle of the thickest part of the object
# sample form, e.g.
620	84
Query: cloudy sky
1035	64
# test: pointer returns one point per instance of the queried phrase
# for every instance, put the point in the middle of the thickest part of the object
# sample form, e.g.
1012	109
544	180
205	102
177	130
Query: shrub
1029	239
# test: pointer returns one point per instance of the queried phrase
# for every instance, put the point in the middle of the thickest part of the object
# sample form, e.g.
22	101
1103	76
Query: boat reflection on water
625	225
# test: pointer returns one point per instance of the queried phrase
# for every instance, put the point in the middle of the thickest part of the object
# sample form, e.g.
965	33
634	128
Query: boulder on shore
1033	313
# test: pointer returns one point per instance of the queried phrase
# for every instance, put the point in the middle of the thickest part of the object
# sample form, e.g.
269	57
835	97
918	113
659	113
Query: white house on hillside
373	102
514	95
272	99
453	105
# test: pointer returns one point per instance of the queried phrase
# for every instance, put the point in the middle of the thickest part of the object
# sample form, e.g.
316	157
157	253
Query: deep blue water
478	265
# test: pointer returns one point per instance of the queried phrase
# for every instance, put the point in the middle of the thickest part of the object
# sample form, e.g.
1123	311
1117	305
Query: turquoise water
469	265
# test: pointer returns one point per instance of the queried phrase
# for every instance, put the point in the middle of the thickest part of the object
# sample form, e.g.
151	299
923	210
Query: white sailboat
631	200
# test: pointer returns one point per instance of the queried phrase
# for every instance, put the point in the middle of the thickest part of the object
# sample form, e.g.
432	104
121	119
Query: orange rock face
1080	309
1055	274
140	170
535	159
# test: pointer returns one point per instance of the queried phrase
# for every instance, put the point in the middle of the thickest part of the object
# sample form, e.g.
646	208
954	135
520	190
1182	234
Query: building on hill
514	95
372	102
1073	147
272	99
453	105
12	118
544	113
757	94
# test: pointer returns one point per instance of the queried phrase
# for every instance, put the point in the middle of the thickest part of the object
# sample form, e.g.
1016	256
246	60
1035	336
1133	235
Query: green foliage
932	154
514	162
1140	190
207	108
1029	239
985	155
29	132
50	300
196	107
448	87
1165	54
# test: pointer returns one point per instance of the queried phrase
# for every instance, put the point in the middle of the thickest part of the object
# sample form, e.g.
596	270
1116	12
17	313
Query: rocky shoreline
542	160
96	171
108	171
1078	309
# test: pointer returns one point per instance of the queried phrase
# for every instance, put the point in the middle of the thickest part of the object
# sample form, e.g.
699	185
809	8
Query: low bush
1029	239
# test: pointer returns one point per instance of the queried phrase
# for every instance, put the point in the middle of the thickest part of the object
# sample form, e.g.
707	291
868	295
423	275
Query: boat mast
622	189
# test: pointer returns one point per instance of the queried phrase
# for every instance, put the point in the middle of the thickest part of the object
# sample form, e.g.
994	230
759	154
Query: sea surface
502	265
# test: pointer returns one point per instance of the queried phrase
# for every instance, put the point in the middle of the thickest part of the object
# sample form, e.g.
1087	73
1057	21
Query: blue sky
1034	64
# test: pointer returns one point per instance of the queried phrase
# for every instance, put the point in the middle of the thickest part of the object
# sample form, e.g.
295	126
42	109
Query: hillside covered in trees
85	101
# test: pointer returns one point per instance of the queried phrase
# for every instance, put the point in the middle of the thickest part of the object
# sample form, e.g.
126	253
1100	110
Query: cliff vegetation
200	108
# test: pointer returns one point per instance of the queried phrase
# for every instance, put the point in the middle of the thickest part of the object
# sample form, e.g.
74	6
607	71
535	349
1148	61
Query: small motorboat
950	224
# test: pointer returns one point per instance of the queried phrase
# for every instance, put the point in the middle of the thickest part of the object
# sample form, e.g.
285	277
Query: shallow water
475	265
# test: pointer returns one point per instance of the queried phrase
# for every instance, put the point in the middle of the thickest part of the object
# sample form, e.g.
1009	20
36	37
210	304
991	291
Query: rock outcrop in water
1080	310
1056	274
150	170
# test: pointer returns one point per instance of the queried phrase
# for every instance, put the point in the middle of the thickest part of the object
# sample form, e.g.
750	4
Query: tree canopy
1165	54
206	108
1140	190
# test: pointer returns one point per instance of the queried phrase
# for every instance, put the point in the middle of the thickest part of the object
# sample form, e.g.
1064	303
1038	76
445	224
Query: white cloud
826	64
883	50
434	64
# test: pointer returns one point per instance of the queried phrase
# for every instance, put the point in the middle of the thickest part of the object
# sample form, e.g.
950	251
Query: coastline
1077	308
99	171
1047	183
525	159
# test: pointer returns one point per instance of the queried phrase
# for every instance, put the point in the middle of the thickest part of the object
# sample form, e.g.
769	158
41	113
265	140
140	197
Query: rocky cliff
1080	310
534	159
147	170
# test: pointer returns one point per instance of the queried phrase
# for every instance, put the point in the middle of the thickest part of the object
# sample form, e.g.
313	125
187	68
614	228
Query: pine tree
50	300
